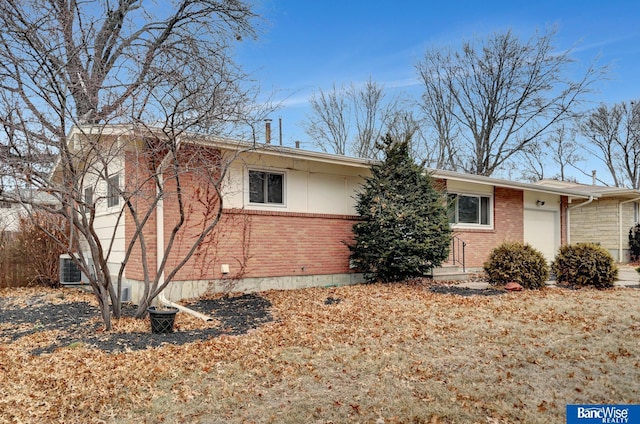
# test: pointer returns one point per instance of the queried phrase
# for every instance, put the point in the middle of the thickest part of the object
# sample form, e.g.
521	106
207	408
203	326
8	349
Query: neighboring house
604	218
288	215
15	204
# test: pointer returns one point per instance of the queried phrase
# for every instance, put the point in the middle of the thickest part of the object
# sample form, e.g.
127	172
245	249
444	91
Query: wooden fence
13	270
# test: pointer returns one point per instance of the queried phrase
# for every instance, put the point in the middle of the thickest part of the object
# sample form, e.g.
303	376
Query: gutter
160	254
620	225
579	205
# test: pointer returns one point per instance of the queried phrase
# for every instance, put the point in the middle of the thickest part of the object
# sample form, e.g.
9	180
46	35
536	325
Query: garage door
542	231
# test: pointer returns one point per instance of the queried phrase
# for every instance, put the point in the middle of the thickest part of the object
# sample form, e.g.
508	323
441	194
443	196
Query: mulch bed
465	291
76	321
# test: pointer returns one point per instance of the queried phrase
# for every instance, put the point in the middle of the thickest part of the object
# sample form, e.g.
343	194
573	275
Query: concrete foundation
178	290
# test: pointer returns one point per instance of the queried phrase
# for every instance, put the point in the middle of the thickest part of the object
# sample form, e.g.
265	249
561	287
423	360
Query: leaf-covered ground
370	353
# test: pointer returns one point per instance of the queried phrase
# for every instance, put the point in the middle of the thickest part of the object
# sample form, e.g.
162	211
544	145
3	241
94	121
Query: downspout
160	254
579	205
620	226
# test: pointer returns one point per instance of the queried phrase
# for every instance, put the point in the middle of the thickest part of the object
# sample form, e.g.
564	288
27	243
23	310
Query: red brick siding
271	244
136	181
564	204
508	219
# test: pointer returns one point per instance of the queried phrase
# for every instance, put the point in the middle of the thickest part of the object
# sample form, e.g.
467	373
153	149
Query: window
88	199
266	187
5	205
468	209
113	188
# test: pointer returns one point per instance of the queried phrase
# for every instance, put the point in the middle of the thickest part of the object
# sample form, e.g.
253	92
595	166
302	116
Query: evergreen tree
404	229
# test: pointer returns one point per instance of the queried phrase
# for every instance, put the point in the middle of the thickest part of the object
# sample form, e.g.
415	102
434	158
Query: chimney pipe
593	177
297	144
267	130
280	126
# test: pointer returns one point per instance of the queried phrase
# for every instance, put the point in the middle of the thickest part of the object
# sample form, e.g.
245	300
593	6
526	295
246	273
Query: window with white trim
88	199
113	191
266	187
470	210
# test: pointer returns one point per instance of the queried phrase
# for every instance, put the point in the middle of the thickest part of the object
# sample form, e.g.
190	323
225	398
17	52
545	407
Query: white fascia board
496	182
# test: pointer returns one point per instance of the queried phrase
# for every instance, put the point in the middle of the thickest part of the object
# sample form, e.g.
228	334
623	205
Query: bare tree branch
492	98
91	66
614	138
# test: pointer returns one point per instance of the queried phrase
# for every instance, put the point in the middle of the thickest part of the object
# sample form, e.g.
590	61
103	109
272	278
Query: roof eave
496	182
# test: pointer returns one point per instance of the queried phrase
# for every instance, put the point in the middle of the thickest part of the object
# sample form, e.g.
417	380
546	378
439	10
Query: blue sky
307	45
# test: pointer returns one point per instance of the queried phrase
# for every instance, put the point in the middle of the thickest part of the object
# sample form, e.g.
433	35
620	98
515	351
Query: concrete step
446	269
449	273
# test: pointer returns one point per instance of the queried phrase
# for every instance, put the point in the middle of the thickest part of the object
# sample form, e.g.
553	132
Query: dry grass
384	353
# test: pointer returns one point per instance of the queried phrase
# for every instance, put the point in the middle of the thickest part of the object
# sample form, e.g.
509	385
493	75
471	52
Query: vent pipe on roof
593	177
297	144
267	131
280	127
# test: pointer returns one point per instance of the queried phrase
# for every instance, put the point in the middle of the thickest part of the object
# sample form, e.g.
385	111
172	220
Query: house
16	203
287	215
604	218
487	211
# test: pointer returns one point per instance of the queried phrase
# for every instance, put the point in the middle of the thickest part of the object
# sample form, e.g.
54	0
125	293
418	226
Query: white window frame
474	225
266	204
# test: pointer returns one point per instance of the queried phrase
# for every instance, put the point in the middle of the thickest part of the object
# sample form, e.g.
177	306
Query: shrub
585	264
33	240
404	228
634	243
521	263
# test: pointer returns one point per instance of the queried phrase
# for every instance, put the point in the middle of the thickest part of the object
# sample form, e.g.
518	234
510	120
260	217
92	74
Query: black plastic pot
162	319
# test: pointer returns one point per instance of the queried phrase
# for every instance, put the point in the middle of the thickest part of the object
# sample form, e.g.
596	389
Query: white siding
468	188
310	187
107	225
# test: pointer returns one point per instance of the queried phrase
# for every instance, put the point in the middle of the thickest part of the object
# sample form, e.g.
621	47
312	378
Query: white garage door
542	231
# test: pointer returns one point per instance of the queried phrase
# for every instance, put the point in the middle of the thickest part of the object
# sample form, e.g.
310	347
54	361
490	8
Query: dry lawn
382	354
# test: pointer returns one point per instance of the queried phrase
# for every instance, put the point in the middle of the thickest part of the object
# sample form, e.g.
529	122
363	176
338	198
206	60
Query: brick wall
508	218
270	244
564	203
136	180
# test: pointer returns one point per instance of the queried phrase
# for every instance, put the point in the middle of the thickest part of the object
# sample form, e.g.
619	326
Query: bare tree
66	64
438	112
328	124
350	120
492	98
559	151
614	138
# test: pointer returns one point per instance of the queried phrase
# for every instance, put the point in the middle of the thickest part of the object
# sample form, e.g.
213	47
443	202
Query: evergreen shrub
404	228
585	264
517	262
634	243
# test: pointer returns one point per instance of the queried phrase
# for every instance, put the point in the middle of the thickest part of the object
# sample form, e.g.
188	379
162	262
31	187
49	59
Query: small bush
517	262
585	264
33	241
634	243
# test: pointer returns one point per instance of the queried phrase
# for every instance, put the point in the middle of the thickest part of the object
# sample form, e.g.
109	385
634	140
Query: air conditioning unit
70	273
